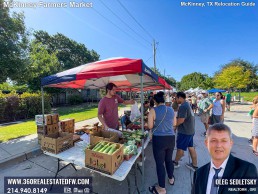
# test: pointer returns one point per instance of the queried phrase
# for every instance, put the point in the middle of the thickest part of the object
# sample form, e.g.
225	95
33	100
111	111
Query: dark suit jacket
235	168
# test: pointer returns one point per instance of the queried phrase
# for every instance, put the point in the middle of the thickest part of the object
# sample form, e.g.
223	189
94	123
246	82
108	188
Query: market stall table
76	156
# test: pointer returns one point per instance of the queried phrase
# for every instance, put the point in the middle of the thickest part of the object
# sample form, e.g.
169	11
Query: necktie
214	188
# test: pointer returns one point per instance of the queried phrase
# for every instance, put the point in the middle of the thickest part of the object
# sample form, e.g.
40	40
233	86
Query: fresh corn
112	150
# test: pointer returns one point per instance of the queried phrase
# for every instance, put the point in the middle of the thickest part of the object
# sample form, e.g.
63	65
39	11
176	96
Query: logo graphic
67	190
147	71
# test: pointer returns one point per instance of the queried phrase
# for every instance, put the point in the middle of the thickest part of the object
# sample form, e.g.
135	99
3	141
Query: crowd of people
171	121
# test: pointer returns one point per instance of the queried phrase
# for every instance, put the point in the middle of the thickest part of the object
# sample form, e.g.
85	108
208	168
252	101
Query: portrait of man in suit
223	165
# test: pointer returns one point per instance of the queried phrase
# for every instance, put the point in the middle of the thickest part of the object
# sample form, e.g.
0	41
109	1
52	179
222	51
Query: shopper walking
218	109
160	123
185	126
228	100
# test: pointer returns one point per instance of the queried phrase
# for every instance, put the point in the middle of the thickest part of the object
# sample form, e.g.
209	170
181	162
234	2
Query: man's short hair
219	127
146	102
110	86
181	94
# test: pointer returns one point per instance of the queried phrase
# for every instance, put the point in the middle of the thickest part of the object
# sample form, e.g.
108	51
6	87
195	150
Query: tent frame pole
43	109
142	126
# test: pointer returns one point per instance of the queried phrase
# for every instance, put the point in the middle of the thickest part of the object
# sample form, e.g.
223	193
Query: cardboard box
67	124
76	138
42	129
55	118
39	119
55	127
49	129
104	162
103	136
39	138
71	130
56	143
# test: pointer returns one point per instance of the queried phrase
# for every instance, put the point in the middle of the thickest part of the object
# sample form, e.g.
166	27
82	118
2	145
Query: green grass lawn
248	96
79	113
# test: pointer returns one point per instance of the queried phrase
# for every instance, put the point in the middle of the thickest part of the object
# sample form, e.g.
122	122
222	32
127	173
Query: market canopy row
124	72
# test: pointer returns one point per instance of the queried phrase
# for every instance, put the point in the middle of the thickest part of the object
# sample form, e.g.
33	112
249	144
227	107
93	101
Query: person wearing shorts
184	141
185	126
205	106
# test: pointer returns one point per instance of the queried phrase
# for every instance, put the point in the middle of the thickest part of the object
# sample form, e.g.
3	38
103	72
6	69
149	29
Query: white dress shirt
212	173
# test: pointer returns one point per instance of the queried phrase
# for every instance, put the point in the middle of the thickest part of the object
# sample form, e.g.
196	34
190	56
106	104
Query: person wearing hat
205	106
168	101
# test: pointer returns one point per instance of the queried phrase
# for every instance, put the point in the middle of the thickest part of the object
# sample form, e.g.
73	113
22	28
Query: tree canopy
233	76
69	52
13	44
195	80
41	64
253	83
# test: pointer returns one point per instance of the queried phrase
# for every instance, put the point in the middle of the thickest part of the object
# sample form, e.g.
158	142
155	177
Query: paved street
237	119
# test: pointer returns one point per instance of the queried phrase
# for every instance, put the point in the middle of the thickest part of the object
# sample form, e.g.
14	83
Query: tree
233	76
13	44
5	86
246	66
41	64
195	80
69	53
51	54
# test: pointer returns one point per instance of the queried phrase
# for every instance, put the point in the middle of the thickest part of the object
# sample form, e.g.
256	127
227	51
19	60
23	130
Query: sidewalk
44	165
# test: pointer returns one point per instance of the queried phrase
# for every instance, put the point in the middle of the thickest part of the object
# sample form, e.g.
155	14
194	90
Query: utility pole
154	55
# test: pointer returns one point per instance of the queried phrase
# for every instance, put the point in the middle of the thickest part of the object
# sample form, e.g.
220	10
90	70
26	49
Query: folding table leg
59	169
128	184
135	178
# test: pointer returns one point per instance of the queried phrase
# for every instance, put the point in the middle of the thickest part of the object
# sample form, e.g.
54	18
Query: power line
124	22
135	19
148	59
160	57
119	28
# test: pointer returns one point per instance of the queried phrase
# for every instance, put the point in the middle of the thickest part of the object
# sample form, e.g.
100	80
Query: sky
189	38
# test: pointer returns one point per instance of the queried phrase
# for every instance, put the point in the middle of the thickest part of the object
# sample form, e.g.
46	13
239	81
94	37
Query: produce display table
76	156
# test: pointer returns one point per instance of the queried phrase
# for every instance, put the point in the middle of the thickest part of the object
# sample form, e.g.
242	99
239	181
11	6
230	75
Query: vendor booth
128	75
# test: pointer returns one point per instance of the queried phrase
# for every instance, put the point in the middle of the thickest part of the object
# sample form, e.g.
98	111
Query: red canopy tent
125	73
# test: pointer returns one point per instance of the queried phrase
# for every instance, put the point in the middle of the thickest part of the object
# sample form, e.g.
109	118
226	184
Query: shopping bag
251	112
135	112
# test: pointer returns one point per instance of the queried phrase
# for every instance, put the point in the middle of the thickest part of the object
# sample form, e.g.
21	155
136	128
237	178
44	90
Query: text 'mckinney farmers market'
46	4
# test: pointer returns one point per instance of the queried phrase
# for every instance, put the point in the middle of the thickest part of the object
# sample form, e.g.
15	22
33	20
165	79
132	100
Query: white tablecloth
76	155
